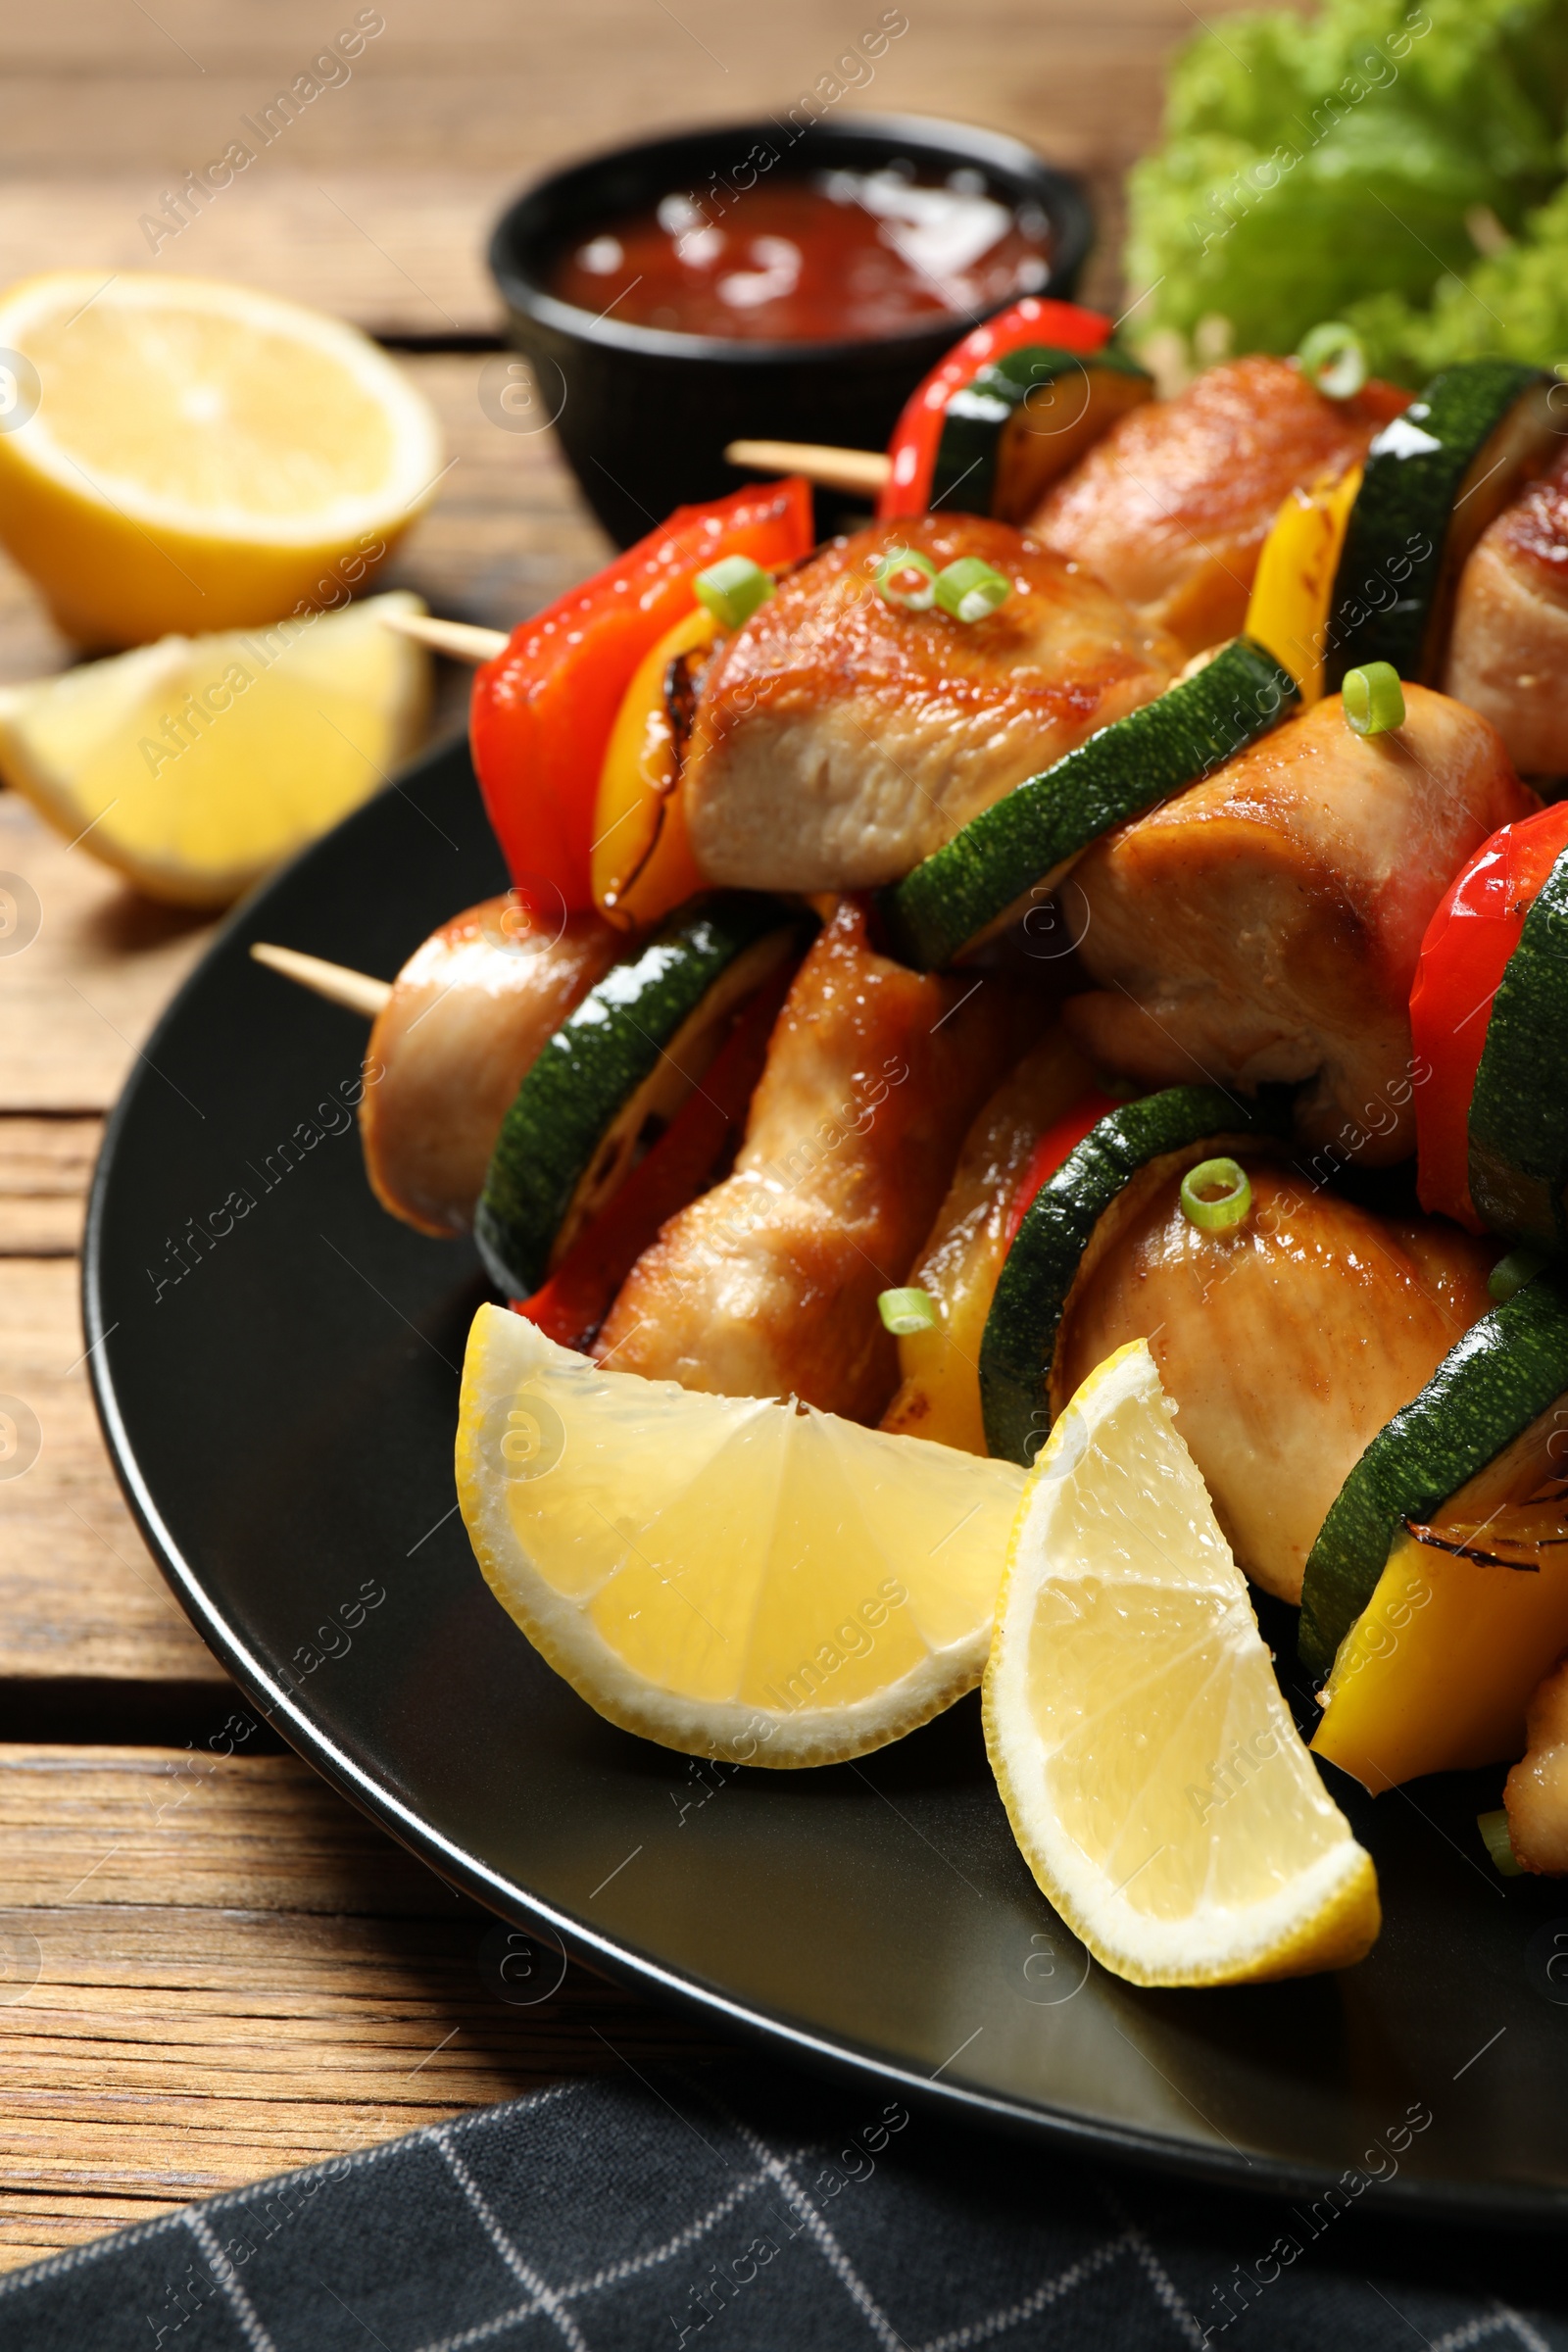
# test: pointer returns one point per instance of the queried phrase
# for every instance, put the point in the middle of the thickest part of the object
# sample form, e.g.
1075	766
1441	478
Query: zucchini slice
1022	846
626	1058
1022	421
1506	1370
1519	1107
1434	479
1070	1224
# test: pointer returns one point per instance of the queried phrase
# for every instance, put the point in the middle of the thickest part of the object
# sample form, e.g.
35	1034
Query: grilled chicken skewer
1508	652
1170	510
1351	1312
1264	925
1171	507
838	739
766	1286
453	1037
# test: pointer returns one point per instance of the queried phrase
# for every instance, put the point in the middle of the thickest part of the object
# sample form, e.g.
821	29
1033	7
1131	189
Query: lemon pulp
194	765
729	1575
1154	1779
199	457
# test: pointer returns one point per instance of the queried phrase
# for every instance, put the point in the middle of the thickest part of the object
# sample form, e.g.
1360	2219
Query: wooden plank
79	1597
78	1002
511	93
396	257
215	1970
45	1168
199	1829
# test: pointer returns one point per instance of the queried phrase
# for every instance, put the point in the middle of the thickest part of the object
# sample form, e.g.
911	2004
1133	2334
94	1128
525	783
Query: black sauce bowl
644	413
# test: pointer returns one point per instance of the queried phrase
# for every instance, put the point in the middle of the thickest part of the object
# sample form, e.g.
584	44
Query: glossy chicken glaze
1508	653
1171	509
838	739
468	1015
1285	1343
768	1285
1265	924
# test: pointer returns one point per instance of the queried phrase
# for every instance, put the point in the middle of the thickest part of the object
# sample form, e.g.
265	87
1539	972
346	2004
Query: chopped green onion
906	579
1332	356
732	589
969	589
1373	699
1512	1272
906	1311
1494	1828
1216	1194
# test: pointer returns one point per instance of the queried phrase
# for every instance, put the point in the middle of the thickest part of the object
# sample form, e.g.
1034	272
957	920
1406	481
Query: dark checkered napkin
736	2209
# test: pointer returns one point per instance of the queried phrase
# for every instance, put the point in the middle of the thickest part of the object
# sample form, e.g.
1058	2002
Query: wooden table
210	1968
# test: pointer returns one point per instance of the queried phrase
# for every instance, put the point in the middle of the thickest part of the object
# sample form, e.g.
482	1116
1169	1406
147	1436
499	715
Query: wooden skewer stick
356	990
863	470
459	638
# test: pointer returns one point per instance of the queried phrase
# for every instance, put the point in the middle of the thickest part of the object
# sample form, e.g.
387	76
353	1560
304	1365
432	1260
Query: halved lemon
182	455
195	766
1149	1764
725	1575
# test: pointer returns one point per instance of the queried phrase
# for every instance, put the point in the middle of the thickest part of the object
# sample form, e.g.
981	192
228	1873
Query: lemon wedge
1149	1764
195	766
182	455
725	1575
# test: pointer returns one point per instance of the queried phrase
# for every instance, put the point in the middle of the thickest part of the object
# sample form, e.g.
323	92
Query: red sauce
847	256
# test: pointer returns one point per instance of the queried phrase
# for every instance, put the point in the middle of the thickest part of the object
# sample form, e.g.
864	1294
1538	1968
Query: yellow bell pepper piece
1436	1673
939	1393
641	863
1294	586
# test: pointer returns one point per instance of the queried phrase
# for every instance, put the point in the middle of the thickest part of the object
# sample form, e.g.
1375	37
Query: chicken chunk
768	1285
1536	1793
1171	509
1264	924
838	739
1508	649
469	1013
1286	1341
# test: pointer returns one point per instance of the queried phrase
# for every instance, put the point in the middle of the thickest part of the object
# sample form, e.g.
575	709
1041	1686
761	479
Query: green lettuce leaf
1309	167
1515	303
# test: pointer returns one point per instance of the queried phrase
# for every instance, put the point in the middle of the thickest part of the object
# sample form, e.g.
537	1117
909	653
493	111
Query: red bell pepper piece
571	1306
1063	326
542	710
1468	941
1063	1136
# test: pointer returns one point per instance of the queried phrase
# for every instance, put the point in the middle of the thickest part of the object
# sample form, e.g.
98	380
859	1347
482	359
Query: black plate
281	1416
